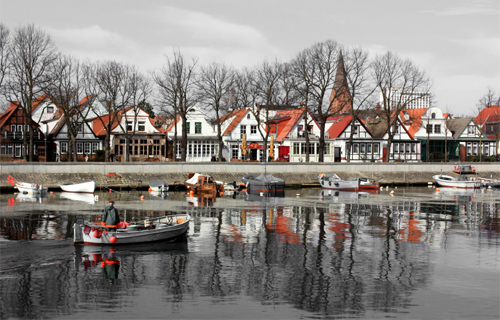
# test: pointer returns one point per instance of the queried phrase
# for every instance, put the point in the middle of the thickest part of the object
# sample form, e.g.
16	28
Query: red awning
254	145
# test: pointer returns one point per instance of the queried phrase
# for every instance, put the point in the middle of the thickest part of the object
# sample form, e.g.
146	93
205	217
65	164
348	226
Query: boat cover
155	183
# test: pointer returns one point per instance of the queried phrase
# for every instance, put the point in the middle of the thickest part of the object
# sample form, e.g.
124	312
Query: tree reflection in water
324	256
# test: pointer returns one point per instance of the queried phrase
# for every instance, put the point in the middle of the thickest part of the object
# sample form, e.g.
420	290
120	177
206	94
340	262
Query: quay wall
137	175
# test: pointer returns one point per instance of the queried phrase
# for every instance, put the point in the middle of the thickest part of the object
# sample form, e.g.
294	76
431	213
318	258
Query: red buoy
112	239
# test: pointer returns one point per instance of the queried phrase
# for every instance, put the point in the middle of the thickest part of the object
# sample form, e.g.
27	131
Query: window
327	148
253	129
437	128
368	148
362	149
197	127
375	148
64	147
50	109
356	129
474	148
79	147
243	129
156	141
235	151
413	147
87	147
407	148
142	126
470	129
433	116
122	141
355	148
248	116
429	128
130	125
395	146
13	127
144	141
20	128
296	149
188	127
95	145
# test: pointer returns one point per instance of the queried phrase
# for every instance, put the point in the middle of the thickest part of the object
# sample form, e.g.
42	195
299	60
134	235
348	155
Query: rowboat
451	182
30	188
333	181
164	228
87	187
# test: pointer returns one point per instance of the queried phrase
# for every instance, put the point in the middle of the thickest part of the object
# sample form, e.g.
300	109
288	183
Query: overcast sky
457	42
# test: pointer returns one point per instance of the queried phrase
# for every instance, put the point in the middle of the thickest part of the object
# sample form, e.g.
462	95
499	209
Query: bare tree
176	81
214	88
357	85
490	98
268	88
32	53
400	82
120	88
4	53
319	64
245	91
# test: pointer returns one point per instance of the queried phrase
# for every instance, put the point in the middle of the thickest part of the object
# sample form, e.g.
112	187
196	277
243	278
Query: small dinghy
86	187
158	186
30	188
165	228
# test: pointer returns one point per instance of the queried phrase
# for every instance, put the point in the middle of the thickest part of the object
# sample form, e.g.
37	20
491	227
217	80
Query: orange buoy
437	189
112	239
191	193
142	198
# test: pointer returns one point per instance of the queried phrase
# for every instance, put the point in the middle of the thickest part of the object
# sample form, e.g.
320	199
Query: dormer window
433	116
142	126
192	110
50	109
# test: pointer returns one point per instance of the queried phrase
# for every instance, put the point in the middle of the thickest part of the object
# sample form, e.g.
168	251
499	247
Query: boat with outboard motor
463	181
333	181
165	228
30	188
203	183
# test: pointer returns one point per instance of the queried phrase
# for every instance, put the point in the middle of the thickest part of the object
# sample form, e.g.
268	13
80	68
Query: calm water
412	254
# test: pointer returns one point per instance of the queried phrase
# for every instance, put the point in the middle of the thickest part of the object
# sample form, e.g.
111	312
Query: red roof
486	113
6	115
338	127
238	115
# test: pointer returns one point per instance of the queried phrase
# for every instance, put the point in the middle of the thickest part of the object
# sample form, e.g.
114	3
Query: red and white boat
165	228
366	184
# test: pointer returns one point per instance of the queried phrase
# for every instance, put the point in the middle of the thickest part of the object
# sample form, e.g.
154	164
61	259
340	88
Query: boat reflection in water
35	198
82	197
201	200
326	194
274	197
158	195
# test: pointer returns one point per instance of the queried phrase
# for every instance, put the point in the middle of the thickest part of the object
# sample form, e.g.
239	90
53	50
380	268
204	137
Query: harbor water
401	253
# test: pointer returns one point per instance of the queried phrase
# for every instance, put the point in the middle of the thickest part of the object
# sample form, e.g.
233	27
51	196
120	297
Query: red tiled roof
415	120
6	115
238	115
287	120
486	113
338	127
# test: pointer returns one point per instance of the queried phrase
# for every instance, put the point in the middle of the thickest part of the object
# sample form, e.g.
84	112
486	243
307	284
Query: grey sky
457	42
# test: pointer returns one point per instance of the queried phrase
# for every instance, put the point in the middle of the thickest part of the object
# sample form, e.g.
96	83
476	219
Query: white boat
158	186
87	187
30	188
462	182
164	228
333	181
83	197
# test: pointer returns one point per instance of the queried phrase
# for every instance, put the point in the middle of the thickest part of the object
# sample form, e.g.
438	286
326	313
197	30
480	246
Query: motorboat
263	182
333	181
82	197
85	187
30	188
462	168
165	228
365	183
158	186
462	182
203	183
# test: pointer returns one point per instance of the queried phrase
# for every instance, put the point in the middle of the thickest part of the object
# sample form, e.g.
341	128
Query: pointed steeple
340	96
340	83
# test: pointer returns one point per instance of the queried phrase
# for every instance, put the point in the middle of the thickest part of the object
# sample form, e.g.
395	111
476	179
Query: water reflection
324	255
89	198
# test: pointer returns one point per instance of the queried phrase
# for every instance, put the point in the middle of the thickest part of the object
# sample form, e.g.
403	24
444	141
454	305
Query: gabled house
135	130
489	121
364	147
403	147
14	130
202	140
472	139
429	126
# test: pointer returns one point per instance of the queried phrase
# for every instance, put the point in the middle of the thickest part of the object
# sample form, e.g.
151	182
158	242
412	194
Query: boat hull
163	232
334	183
30	188
84	187
450	182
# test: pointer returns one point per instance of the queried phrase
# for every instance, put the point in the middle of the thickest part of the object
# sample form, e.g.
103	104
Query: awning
254	145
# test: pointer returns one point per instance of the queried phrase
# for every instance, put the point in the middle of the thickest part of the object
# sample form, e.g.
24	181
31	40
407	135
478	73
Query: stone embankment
138	175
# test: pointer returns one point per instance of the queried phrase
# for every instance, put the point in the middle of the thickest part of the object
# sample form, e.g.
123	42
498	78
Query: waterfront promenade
137	175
